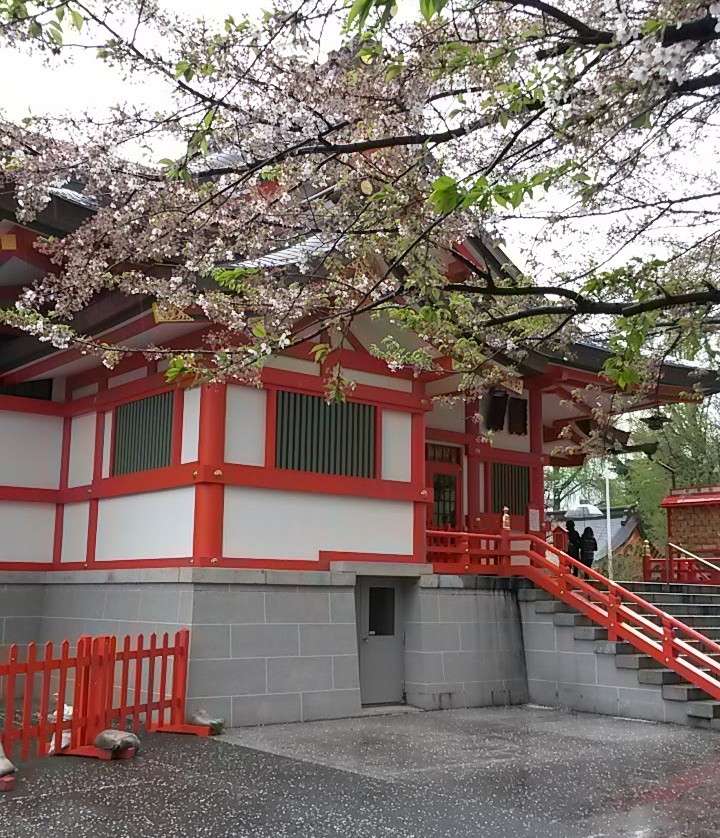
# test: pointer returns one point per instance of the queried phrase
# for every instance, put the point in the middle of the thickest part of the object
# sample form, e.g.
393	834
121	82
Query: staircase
697	606
669	634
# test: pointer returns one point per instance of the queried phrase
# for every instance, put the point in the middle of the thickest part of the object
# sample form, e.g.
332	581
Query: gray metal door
381	641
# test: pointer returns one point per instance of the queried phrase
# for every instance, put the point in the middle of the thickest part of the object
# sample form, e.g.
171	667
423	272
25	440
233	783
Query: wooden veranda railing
625	615
680	566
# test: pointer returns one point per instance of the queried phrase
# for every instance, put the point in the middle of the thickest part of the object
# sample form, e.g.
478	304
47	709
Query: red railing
681	570
58	699
626	615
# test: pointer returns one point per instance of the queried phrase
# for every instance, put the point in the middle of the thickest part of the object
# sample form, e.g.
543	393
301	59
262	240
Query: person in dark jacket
573	544
588	547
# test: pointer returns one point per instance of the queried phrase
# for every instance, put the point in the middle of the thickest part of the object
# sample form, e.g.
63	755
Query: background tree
575	129
690	444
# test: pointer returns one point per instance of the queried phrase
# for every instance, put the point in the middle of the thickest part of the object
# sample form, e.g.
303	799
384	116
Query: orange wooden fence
55	698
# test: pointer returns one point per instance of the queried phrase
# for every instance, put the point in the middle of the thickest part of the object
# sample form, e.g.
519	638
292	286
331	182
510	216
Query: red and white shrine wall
227	491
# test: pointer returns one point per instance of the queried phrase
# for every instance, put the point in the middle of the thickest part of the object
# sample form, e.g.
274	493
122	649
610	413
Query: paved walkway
492	773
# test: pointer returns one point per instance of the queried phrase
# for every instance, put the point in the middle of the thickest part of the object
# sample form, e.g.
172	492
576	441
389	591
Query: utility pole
608	520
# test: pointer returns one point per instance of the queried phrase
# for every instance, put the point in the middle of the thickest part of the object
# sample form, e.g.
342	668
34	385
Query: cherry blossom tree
582	134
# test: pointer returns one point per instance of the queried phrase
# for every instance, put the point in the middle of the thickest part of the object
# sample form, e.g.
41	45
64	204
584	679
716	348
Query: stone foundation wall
274	652
281	646
464	645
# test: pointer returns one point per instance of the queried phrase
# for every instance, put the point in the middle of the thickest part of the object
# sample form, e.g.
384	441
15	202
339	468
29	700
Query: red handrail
668	643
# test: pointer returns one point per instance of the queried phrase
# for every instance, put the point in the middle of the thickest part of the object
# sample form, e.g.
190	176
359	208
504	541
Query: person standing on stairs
573	544
588	547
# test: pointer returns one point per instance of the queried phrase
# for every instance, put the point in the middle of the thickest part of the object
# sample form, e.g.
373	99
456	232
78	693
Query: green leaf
77	19
258	331
320	352
181	68
427	9
359	12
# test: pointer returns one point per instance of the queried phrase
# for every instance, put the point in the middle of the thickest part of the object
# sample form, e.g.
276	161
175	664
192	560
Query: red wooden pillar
537	477
473	463
418	480
209	492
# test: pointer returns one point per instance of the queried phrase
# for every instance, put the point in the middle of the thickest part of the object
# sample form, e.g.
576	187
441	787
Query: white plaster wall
82	450
28	531
372	379
190	425
75	527
264	523
89	390
287	362
450	384
245	425
153	525
447	417
30	449
126	377
107	440
510	442
396	445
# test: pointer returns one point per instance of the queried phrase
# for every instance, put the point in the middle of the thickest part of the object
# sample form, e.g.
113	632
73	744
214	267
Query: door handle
363	639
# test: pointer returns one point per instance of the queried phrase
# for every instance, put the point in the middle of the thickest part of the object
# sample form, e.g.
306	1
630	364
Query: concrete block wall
113	606
21	608
566	670
463	645
274	652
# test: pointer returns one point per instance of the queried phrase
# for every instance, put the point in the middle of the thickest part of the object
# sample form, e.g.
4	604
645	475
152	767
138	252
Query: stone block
543	692
440	696
424	667
158	605
588	698
480	636
542	666
346	674
432	637
302	606
458	606
210	642
333	704
228	677
639	703
609	675
288	675
20	630
185	612
577	668
467	666
342	607
540	636
266	709
264	641
21	601
122	604
236	605
328	639
423	606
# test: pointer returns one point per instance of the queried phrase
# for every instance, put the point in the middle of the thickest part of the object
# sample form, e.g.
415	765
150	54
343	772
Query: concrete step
704	709
637	661
625	648
683	692
659	676
590	633
680	609
572	618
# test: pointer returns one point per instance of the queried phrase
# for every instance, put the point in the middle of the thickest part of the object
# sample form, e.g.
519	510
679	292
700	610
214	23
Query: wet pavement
489	773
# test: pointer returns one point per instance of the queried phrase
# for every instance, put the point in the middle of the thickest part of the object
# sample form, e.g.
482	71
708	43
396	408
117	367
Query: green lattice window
143	434
313	435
